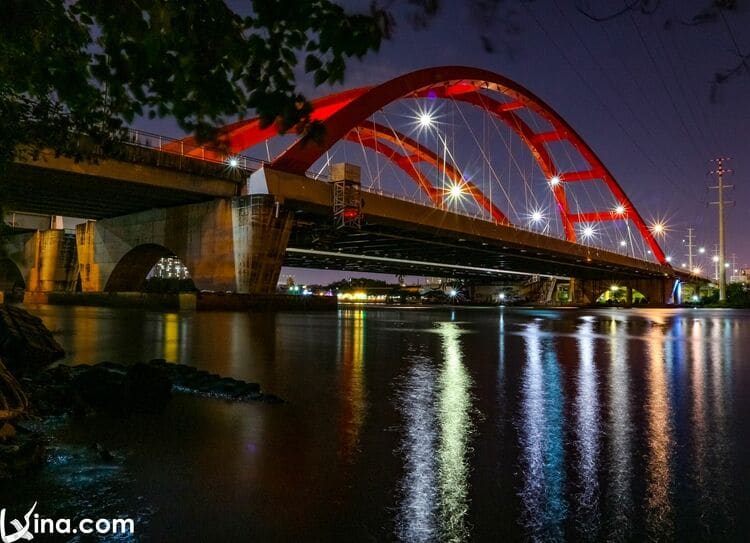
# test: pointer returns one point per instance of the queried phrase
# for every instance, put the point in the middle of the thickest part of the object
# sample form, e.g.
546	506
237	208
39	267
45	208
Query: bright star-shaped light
554	180
702	250
620	209
623	243
658	228
233	162
588	232
425	119
697	270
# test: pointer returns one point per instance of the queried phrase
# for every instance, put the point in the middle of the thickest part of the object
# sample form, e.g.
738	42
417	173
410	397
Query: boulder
25	343
100	389
148	388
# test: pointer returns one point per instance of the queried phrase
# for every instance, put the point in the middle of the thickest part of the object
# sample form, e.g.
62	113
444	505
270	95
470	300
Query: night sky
639	94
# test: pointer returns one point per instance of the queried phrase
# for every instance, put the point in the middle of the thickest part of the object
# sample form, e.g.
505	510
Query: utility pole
720	172
690	249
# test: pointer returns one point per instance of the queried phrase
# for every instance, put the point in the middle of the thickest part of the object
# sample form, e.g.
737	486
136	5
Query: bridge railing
174	146
244	163
480	215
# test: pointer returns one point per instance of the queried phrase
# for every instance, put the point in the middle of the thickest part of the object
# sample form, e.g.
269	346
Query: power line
720	172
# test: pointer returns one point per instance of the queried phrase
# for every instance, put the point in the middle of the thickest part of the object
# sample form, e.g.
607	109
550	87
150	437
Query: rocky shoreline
109	388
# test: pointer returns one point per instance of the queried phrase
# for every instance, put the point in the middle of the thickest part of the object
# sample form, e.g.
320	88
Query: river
418	424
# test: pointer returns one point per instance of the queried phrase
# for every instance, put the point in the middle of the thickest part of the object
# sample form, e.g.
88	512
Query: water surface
421	425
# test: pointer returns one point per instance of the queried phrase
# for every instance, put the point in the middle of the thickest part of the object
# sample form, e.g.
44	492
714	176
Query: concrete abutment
228	245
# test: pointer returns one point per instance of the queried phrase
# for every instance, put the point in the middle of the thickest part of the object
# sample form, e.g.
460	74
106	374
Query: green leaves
90	65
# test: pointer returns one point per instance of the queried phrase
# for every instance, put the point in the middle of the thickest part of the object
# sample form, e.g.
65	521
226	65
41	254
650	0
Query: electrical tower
720	172
690	246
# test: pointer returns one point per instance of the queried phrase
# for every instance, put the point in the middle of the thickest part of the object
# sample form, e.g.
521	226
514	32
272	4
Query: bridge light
588	232
668	259
554	180
425	119
726	264
702	250
233	162
658	228
697	270
620	209
623	243
684	264
715	258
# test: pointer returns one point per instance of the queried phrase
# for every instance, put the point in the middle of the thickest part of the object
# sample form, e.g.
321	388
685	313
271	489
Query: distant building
169	267
742	276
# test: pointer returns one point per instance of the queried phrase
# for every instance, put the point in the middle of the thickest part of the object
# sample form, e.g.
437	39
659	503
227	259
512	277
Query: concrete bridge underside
238	243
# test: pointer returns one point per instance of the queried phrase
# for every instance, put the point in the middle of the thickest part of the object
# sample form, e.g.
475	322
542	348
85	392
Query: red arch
369	133
348	110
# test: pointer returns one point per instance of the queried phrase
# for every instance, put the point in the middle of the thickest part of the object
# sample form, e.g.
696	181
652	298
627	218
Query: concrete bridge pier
234	245
261	232
657	291
40	262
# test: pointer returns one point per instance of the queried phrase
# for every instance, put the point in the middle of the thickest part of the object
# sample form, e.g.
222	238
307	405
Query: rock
25	343
7	432
100	389
26	452
103	453
13	400
148	388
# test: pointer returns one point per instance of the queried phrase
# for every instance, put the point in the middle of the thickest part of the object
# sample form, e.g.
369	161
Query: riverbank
201	301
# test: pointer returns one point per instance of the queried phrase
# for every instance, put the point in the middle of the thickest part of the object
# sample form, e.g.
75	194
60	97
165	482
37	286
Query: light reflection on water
351	357
541	438
434	424
436	404
587	433
660	446
620	503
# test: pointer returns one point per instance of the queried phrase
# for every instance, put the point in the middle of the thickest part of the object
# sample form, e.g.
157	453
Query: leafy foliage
90	66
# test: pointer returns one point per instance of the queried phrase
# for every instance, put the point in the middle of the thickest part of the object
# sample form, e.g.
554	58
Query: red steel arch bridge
461	172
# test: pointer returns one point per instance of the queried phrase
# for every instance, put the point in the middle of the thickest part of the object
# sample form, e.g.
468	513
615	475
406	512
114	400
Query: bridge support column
45	261
261	232
235	245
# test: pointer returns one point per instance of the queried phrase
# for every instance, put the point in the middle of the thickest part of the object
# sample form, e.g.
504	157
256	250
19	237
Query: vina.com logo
34	524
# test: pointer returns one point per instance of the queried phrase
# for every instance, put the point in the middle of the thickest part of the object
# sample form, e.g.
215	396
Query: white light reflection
541	440
658	437
416	519
436	405
620	431
454	413
699	447
587	432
